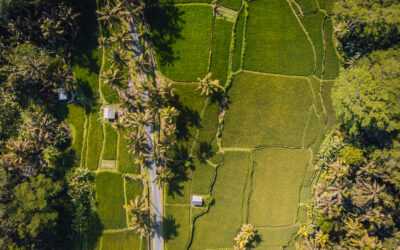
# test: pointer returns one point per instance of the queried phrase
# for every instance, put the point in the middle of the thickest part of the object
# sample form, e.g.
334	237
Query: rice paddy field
276	59
252	153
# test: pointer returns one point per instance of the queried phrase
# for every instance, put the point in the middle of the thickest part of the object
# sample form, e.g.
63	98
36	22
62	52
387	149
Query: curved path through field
155	196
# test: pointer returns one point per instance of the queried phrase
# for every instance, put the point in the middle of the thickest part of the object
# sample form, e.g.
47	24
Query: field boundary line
233	149
177	204
306	33
276	227
274	74
181	4
110	231
298	7
84	143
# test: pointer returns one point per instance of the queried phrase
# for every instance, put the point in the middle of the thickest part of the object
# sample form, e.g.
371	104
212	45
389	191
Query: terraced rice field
100	147
276	59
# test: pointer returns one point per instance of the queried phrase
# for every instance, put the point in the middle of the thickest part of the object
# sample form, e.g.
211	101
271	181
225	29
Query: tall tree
366	97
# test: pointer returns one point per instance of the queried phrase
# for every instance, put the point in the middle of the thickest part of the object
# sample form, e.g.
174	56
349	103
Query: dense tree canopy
366	97
362	26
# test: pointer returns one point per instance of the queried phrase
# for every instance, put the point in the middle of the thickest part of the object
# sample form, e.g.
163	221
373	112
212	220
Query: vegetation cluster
356	200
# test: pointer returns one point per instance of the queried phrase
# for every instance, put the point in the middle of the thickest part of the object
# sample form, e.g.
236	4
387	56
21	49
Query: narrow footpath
155	196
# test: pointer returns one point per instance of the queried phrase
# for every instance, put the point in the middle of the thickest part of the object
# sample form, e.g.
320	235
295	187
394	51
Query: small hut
62	94
109	113
197	201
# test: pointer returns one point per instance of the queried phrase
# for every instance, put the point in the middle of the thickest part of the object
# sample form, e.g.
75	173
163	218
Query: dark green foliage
239	30
352	156
10	116
366	25
325	224
366	97
221	50
33	211
34	74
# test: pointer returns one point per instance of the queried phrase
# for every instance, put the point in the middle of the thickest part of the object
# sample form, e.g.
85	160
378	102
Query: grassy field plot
231	4
266	110
181	39
277	180
110	199
313	128
218	227
222	35
327	5
276	237
123	240
76	122
126	161
275	41
133	188
331	60
176	227
307	6
110	142
239	40
314	26
95	139
202	177
326	94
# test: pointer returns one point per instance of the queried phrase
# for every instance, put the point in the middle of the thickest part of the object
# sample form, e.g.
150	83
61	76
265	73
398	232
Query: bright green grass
183	54
221	49
110	142
202	177
218	227
327	5
316	85
110	200
276	237
231	4
206	141
178	1
126	161
275	41
176	227
313	128
331	59
95	139
133	189
123	240
190	103
109	94
266	110
277	180
314	26
326	94
307	6
237	52
76	122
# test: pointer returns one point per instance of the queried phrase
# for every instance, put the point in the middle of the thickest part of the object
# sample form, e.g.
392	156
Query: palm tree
123	39
140	216
119	58
208	86
163	176
109	15
113	78
137	142
245	236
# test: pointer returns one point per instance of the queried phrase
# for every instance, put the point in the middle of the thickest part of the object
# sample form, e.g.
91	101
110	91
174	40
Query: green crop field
275	41
250	152
123	240
255	157
189	40
274	185
275	114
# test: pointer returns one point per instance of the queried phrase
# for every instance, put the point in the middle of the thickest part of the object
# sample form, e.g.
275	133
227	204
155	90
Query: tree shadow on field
179	167
187	118
166	24
170	228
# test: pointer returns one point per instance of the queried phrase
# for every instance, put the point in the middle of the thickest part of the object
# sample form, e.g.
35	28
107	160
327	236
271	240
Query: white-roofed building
109	113
62	94
197	201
